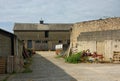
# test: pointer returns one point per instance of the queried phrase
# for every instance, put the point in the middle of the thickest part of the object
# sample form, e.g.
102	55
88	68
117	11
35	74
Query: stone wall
106	47
101	36
94	25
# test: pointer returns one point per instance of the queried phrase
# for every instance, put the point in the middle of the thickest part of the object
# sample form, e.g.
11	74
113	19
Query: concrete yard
48	68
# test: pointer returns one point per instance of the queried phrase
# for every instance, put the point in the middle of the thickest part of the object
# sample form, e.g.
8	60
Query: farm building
101	36
106	43
10	52
43	36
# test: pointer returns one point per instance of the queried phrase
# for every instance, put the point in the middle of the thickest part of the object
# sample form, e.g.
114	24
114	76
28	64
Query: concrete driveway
48	68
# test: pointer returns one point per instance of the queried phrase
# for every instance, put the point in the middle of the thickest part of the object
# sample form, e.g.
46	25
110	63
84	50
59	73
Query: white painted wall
109	47
84	45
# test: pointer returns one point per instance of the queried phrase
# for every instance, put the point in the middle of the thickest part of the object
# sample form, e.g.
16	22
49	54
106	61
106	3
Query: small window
45	41
46	34
60	41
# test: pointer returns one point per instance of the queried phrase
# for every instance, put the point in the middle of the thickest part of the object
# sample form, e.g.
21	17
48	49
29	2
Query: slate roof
25	26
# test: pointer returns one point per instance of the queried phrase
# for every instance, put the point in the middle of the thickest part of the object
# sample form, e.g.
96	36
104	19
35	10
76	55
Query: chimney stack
41	21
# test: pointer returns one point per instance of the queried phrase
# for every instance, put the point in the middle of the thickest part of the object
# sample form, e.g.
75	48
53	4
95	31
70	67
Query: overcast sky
55	11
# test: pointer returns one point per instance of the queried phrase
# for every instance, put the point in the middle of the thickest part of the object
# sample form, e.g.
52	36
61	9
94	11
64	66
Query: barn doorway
100	47
41	45
29	43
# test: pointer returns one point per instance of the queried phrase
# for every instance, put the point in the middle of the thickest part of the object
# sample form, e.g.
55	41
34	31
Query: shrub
74	58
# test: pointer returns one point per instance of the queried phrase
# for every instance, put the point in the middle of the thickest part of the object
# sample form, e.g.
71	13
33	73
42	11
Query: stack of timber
2	65
116	57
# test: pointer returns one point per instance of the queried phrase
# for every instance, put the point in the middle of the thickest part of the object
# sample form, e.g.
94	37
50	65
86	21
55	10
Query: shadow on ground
43	70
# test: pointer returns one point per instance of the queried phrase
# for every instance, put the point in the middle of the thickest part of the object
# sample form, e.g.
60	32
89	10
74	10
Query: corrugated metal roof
24	26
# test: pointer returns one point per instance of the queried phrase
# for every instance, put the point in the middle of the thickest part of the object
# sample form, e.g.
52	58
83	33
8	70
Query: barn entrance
29	43
100	47
41	45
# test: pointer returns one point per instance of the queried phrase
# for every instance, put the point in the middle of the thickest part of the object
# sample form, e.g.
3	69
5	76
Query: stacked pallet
2	65
116	57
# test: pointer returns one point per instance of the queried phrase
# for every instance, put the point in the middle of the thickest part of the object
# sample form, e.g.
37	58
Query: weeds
27	70
27	66
74	58
58	56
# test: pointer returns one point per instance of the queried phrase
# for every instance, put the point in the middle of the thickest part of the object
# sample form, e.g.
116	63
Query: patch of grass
74	58
58	56
27	70
27	66
6	78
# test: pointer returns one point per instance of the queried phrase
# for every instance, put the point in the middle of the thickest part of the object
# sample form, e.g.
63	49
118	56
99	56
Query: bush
74	58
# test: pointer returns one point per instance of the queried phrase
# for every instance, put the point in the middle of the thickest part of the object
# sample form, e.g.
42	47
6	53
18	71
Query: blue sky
55	11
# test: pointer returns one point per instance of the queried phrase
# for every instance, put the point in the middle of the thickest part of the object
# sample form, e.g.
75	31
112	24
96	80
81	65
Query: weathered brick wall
95	25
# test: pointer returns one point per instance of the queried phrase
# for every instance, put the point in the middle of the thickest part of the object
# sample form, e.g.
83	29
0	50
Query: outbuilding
10	52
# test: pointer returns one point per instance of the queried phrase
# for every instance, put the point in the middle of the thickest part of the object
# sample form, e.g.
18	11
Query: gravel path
48	68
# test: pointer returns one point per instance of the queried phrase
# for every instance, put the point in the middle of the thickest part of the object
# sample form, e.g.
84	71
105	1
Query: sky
55	11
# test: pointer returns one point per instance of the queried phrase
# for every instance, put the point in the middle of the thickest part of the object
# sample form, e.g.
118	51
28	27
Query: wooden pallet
116	57
2	65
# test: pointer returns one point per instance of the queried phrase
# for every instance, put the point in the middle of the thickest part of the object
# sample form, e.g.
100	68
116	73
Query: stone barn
43	36
106	43
101	36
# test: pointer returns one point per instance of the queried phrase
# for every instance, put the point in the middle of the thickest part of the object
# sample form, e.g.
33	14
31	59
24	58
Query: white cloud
57	10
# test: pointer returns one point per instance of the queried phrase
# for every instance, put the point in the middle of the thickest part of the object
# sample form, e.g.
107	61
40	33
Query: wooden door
41	46
100	47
